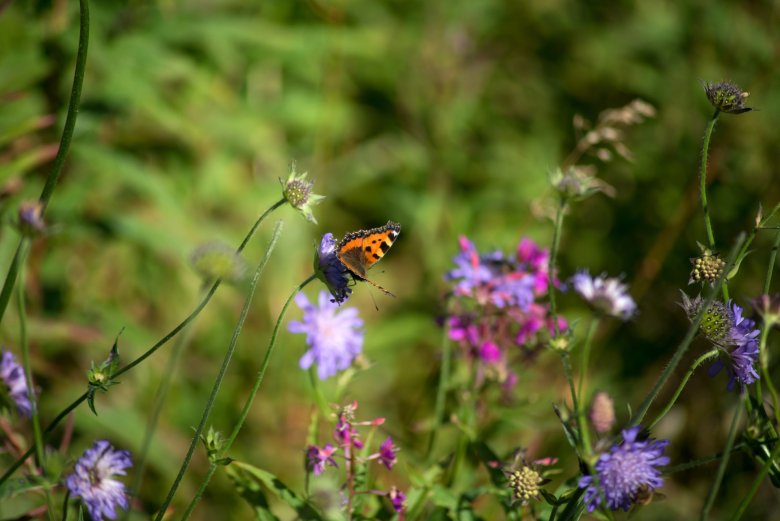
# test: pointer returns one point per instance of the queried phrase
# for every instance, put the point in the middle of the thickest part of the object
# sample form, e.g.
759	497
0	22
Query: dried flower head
525	484
707	268
297	191
727	97
579	182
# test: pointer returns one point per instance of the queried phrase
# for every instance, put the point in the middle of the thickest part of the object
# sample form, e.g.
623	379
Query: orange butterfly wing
360	250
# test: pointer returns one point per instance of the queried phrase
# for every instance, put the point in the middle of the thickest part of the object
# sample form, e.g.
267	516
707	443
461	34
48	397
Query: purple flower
397	498
471	270
387	453
91	480
489	352
739	361
346	434
334	337
608	296
512	289
12	375
330	269
462	329
626	470
318	458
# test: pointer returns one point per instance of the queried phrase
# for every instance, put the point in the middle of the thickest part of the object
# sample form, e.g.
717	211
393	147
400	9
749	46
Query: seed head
727	97
525	484
707	268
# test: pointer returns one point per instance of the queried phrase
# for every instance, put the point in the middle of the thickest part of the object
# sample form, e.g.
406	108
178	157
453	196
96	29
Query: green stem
62	152
763	357
65	505
683	383
316	389
444	384
250	399
36	421
584	357
747	498
703	178
723	464
159	402
78	401
566	361
668	471
686	342
552	263
771	267
221	374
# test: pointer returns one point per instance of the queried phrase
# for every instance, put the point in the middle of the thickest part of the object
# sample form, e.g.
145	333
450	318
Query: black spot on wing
384	247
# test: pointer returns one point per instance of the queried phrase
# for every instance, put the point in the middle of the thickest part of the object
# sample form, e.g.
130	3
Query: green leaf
250	481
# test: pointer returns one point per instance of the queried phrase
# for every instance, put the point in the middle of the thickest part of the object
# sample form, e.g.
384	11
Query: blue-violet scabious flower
12	375
627	469
92	480
318	458
330	270
605	295
334	337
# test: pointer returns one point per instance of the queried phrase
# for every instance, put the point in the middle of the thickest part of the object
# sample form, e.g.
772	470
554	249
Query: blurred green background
444	116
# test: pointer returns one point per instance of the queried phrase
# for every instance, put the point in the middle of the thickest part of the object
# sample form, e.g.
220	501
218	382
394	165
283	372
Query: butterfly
360	250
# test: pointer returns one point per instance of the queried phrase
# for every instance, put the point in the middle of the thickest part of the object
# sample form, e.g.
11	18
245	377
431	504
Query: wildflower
217	260
489	352
92	480
387	453
330	270
733	334
346	434
12	375
727	97
602	412
579	183
297	191
472	270
605	295
397	499
525	484
334	337
318	458
31	218
626	470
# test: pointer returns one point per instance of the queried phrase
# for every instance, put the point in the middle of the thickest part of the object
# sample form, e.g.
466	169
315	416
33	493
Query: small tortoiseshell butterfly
360	250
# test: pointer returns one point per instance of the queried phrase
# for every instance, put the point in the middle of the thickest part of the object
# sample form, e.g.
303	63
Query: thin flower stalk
222	371
748	497
164	340
551	269
722	467
764	363
54	175
248	403
686	342
584	358
696	363
703	177
444	384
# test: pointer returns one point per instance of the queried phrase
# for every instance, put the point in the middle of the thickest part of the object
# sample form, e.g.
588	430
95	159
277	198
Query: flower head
334	337
318	458
727	97
330	270
297	191
12	375
397	499
387	453
31	221
217	260
626	470
525	484
606	295
707	268
92	480
602	412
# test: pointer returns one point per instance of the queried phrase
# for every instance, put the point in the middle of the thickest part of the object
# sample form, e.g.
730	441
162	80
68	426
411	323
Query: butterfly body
360	250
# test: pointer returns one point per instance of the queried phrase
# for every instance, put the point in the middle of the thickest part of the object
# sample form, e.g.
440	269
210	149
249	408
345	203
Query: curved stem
78	401
763	357
566	361
683	383
62	151
221	374
201	490
771	267
703	178
723	464
552	263
584	357
444	383
747	498
686	342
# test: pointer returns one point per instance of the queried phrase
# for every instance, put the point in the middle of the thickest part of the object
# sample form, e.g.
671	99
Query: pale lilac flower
12	375
92	480
606	295
334	336
471	270
627	469
318	458
331	270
